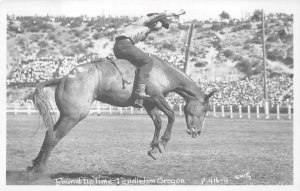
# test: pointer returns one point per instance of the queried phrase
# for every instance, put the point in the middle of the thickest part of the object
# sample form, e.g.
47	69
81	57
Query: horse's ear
207	97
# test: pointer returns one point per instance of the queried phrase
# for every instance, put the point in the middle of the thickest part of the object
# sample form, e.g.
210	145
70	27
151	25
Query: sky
195	9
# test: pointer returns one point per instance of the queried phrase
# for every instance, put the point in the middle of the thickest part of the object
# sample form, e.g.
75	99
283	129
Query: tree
224	15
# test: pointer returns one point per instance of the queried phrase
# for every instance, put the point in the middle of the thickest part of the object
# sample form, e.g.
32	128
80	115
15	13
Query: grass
115	147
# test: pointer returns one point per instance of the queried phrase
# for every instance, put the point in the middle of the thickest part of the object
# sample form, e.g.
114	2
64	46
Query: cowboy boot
140	92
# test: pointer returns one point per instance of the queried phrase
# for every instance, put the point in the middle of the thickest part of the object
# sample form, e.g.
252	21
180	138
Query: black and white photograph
141	94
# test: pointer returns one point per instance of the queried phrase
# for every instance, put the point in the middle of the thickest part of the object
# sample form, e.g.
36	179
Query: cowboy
125	48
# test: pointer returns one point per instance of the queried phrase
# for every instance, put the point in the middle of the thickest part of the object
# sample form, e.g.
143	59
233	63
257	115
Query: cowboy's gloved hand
157	26
153	19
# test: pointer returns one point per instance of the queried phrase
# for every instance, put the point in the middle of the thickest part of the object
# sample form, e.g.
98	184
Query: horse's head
195	113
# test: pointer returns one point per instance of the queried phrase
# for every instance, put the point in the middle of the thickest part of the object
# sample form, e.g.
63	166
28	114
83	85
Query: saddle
138	102
124	81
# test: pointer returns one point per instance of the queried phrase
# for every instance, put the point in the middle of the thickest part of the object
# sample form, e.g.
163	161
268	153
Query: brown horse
102	81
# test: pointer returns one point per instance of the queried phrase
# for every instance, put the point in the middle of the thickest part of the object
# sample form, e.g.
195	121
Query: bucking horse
101	81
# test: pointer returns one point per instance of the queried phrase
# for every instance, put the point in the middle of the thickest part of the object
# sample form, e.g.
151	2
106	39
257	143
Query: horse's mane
171	66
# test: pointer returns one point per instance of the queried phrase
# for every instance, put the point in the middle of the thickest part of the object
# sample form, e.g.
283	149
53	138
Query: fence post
214	110
267	109
15	106
180	109
223	114
141	110
240	111
121	110
289	111
29	109
98	108
249	112
231	114
131	110
257	111
278	111
110	109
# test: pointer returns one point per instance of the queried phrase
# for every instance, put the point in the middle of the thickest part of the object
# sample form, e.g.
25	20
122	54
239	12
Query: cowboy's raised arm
138	31
163	18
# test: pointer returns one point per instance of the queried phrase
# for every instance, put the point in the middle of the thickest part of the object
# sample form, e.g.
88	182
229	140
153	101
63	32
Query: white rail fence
224	111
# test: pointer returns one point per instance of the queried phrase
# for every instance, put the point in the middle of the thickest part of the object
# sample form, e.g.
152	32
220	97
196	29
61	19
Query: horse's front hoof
151	154
154	150
161	148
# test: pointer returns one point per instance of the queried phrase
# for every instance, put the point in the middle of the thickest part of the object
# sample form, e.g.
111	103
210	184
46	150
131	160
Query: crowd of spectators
239	92
251	91
41	69
176	58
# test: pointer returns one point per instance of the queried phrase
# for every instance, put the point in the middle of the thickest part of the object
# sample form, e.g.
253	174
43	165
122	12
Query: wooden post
264	54
257	111
15	106
290	111
278	111
249	112
180	109
231	114
267	110
223	114
266	105
187	47
110	109
214	110
99	108
240	111
121	110
141	110
29	109
131	110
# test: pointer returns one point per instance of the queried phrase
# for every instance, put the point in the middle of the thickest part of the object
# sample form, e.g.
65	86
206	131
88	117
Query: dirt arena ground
113	150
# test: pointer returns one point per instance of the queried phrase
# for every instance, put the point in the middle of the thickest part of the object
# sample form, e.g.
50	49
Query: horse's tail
43	105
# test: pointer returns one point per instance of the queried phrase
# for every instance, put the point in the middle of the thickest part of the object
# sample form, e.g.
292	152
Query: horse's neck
182	84
187	88
189	92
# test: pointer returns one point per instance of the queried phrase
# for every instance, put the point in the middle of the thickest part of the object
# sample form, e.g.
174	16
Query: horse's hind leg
61	128
74	97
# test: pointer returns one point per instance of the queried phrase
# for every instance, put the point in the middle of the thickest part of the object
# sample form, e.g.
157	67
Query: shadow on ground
25	178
